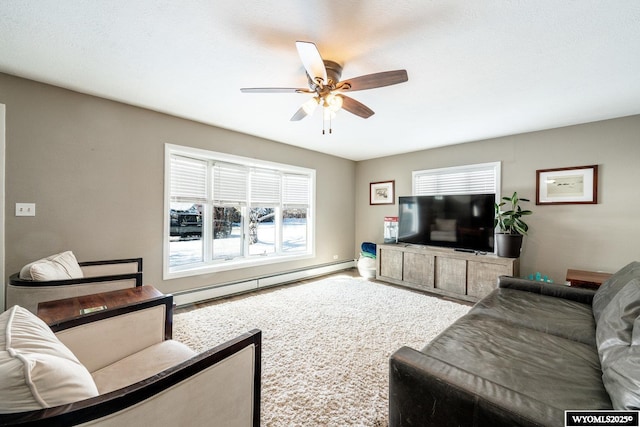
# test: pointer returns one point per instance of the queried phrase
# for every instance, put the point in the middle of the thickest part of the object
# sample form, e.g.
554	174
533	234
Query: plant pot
509	245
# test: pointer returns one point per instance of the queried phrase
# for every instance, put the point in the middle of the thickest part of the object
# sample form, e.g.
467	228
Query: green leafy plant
510	221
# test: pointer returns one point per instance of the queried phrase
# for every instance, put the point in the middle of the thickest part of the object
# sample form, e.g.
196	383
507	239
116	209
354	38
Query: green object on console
538	277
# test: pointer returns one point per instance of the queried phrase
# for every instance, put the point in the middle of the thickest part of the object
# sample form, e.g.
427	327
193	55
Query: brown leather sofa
523	355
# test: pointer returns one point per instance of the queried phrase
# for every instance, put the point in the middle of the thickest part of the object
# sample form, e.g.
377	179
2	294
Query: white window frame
211	266
466	172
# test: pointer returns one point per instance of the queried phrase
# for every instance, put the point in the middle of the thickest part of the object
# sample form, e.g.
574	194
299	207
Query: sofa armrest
103	337
425	391
218	387
581	295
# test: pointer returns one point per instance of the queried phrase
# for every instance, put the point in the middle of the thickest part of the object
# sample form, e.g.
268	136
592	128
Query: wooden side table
58	314
586	279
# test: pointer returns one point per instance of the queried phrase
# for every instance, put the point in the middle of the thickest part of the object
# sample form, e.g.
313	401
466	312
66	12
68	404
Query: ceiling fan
324	83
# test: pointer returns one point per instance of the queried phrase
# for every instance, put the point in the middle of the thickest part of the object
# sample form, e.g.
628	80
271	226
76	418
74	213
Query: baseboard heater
212	292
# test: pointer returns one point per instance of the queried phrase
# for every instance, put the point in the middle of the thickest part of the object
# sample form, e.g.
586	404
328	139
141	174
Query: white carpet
326	344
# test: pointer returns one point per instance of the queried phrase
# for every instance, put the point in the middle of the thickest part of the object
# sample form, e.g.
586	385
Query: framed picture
382	193
564	186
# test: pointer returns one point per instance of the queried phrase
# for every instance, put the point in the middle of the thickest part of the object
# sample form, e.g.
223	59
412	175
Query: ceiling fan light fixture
310	106
333	102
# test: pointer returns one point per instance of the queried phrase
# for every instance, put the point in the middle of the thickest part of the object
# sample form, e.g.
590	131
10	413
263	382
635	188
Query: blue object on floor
369	248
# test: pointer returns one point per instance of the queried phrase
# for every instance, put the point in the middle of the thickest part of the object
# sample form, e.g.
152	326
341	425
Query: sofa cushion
36	370
521	370
618	337
143	364
55	267
612	286
558	316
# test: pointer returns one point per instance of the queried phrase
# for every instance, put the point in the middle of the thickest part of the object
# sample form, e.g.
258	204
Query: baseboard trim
192	296
294	276
203	294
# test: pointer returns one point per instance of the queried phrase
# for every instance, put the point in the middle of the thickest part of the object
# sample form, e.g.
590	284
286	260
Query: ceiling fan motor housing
334	71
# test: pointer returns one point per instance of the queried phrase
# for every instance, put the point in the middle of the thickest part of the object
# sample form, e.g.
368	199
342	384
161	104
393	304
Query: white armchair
92	277
120	370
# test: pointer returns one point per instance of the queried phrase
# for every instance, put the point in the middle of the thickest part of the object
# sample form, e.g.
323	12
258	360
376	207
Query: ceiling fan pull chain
324	120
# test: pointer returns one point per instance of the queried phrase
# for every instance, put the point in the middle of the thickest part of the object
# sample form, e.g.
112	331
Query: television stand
453	273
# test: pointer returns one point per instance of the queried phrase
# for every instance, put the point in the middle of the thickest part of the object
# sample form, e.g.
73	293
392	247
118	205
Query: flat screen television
455	221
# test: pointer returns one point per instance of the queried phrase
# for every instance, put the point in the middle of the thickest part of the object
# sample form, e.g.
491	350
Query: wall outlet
335	257
25	209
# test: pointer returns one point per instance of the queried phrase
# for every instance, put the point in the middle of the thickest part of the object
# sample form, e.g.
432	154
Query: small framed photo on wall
382	193
564	186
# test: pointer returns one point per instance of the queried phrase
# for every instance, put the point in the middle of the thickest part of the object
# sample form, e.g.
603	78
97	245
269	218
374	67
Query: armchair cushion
36	370
55	267
143	364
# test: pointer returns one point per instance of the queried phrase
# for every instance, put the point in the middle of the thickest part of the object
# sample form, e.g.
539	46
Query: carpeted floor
326	344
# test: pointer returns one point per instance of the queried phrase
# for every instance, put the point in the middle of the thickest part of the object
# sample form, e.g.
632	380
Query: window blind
265	187
295	192
188	179
229	183
471	179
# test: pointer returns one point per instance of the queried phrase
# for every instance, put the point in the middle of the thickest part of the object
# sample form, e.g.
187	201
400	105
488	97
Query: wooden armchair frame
99	276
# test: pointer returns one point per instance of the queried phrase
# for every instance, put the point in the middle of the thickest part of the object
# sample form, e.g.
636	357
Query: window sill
235	264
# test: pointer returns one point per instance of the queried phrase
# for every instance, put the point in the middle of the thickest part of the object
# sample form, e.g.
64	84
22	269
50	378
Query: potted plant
511	226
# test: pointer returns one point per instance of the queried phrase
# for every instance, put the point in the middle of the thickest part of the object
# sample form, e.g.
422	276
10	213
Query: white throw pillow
36	370
55	267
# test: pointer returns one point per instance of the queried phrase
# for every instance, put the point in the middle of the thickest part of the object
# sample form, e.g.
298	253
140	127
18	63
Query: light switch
25	209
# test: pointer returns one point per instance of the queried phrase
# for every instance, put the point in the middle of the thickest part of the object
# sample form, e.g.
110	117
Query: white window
225	212
481	178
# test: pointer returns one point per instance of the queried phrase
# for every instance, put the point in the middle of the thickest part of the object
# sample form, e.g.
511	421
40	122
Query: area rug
326	344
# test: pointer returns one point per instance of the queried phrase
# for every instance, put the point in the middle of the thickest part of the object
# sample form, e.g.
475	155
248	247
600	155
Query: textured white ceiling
477	69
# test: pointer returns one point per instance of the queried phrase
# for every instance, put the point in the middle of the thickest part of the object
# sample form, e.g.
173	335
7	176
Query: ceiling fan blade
306	109
356	107
274	90
370	81
311	60
299	115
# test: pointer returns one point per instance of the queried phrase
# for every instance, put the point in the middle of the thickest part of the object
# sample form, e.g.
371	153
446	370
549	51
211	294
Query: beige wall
2	179
593	237
94	168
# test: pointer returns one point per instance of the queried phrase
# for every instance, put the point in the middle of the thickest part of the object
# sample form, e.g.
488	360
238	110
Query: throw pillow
611	287
618	339
36	370
56	267
25	272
